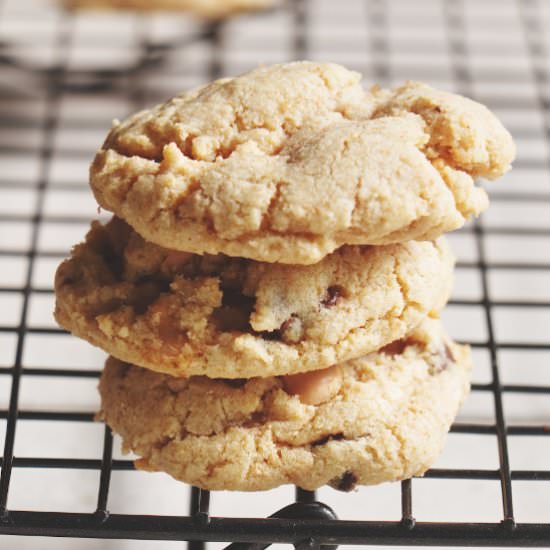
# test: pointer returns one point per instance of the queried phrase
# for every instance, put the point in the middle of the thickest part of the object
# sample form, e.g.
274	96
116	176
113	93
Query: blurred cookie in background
213	9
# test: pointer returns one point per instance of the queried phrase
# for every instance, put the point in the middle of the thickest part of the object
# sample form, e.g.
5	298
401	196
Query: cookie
207	8
228	317
385	419
289	162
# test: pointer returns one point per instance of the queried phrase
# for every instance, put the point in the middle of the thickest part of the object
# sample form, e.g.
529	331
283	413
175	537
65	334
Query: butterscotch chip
289	162
236	318
314	387
207	8
387	420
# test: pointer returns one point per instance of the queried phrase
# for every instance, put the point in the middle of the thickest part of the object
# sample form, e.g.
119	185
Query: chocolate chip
346	483
332	296
327	438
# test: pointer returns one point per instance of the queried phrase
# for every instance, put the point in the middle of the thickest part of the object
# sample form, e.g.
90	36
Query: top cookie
207	8
289	162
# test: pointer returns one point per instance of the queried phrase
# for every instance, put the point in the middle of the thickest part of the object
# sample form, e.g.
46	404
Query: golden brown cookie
227	317
289	162
387	420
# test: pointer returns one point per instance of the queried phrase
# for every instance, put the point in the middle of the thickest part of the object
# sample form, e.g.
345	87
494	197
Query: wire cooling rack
64	76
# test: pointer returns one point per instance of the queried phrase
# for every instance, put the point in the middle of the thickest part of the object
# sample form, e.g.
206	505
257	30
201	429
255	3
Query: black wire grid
305	523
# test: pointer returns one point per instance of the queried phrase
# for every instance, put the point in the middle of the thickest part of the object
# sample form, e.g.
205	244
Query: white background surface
415	44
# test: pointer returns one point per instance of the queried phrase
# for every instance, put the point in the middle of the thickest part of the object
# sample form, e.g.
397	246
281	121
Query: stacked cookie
269	287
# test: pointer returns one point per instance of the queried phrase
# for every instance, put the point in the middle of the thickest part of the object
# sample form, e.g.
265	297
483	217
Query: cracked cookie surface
207	8
227	317
388	421
289	162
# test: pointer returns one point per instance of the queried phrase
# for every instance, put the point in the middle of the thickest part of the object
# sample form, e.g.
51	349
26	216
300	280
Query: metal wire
454	16
306	522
